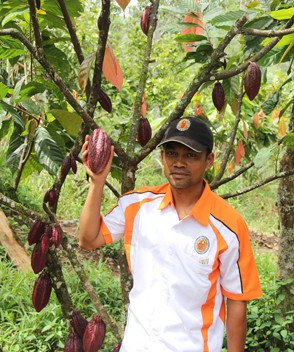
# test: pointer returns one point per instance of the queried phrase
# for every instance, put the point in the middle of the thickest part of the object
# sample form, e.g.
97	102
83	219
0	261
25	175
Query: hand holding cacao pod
97	153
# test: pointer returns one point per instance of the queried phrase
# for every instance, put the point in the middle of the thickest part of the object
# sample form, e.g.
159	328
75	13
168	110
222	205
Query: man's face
183	167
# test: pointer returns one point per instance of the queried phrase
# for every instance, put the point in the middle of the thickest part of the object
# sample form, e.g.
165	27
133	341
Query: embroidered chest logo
201	245
183	125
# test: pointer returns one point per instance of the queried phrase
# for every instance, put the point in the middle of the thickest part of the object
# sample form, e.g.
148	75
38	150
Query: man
188	250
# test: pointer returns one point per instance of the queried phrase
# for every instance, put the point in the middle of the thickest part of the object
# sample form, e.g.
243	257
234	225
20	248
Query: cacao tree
61	79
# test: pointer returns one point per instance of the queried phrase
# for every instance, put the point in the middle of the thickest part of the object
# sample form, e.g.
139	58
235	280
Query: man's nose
180	161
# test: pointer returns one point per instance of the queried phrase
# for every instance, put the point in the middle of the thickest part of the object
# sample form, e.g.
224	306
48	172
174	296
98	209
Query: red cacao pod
104	101
73	343
36	231
79	323
252	80
57	235
218	96
145	19
99	149
94	334
144	131
65	166
42	291
40	252
50	197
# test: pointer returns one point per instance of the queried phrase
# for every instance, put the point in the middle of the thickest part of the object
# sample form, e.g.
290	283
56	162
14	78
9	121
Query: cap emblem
183	125
201	245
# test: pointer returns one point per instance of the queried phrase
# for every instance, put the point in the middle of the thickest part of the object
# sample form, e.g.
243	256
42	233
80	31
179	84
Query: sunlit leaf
144	106
111	69
84	71
283	14
70	121
196	28
245	130
282	128
123	3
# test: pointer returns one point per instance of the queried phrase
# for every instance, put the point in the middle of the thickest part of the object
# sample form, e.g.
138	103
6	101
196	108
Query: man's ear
209	160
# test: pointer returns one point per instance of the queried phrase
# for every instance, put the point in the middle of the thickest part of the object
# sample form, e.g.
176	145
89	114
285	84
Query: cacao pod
65	166
117	348
38	4
145	19
50	197
218	96
73	343
94	334
144	131
99	149
42	291
73	164
252	80
36	231
79	323
104	101
40	252
57	235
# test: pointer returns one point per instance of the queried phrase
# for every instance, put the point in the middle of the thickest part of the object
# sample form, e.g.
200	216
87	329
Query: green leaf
10	53
70	121
47	151
13	112
283	14
278	319
3	90
29	90
262	157
227	19
32	165
190	38
288	141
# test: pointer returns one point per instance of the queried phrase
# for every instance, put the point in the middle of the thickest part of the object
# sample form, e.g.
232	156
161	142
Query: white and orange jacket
182	269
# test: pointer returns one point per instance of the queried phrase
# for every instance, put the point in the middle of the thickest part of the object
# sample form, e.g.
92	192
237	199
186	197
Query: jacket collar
201	209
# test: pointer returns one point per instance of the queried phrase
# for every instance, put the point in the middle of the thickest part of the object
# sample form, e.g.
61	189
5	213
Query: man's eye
191	156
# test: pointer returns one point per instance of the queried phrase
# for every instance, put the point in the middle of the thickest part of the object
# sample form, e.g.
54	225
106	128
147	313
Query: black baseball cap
190	131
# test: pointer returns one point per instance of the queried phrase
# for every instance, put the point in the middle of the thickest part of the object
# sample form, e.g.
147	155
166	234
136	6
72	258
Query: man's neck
185	199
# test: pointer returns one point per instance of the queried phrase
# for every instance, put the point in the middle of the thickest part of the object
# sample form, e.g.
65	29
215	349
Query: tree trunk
286	214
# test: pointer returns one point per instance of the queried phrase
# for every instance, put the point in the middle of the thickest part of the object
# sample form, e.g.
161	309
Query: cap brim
185	141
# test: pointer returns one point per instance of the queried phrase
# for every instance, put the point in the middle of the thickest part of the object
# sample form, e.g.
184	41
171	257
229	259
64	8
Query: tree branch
266	33
71	30
258	184
143	79
215	184
228	151
104	24
36	27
